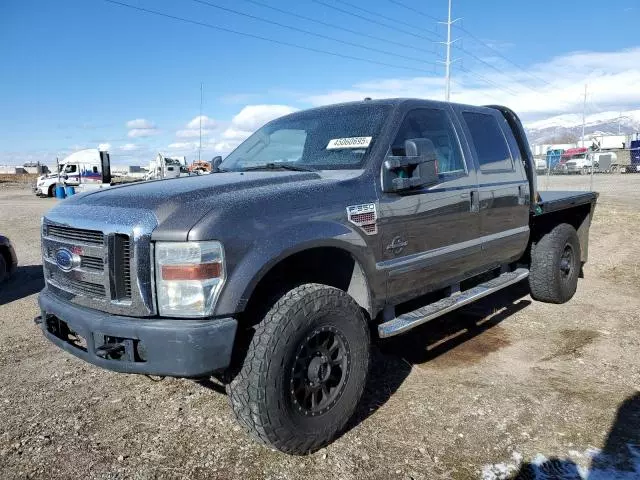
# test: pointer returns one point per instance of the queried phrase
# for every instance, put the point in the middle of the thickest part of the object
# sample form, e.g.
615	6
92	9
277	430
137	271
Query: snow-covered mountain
570	125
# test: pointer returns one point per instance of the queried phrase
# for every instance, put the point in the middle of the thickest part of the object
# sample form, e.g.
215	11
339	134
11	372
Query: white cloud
252	117
141	127
143	132
248	120
612	78
192	129
183	146
206	122
103	147
140	123
129	147
225	146
225	136
232	133
191	133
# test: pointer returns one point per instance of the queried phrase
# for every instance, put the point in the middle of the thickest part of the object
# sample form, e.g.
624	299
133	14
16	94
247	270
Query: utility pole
447	91
449	61
584	109
619	121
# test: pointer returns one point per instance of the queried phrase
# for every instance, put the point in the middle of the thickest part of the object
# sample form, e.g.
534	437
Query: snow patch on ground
592	464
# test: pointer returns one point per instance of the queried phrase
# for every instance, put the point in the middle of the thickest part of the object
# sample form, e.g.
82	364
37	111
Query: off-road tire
554	275
51	192
260	393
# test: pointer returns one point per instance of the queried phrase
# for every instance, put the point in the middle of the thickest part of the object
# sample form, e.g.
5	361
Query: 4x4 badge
397	245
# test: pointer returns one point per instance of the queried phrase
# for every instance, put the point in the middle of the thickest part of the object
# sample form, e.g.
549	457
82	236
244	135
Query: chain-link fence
585	169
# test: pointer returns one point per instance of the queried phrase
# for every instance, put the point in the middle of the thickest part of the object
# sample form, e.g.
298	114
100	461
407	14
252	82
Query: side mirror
215	164
417	168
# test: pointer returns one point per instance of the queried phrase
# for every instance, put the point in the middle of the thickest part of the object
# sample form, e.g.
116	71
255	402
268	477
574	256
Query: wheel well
326	265
579	217
573	216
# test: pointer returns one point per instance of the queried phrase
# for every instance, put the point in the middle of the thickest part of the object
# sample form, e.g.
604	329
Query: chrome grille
94	290
93	237
111	267
92	263
125	267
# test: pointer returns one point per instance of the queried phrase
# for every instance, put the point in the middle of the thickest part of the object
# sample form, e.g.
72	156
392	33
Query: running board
407	321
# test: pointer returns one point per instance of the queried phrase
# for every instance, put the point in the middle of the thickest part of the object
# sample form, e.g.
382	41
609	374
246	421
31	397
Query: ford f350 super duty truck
274	273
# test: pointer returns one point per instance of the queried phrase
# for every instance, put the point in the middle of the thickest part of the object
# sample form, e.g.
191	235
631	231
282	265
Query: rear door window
490	144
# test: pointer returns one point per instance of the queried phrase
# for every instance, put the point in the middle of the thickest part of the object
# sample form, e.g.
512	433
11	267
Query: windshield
325	139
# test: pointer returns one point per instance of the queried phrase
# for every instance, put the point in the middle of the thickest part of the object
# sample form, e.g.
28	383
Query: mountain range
567	128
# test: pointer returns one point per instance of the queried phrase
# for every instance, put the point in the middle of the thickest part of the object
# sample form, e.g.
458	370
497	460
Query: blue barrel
70	191
60	192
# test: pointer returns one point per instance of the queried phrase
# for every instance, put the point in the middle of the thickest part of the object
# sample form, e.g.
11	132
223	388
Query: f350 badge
397	245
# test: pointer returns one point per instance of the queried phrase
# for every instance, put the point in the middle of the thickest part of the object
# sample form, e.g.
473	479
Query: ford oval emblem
64	259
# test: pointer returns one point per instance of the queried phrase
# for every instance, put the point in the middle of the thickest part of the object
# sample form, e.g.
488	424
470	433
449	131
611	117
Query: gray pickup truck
274	273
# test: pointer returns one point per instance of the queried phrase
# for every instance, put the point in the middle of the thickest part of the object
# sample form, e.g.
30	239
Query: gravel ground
502	389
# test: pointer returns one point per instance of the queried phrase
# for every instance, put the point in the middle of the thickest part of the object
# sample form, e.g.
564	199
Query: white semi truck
85	169
167	167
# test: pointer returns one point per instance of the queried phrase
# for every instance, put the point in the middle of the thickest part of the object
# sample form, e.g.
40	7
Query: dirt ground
502	389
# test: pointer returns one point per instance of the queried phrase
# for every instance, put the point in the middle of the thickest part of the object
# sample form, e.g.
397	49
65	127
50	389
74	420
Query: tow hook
38	320
111	351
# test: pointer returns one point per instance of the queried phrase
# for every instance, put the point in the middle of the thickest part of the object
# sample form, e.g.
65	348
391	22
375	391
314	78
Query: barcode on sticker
351	142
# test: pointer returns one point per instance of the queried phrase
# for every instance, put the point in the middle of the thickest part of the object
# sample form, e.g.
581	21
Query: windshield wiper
279	166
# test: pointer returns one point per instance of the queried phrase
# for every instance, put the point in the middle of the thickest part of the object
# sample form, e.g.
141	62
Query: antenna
200	118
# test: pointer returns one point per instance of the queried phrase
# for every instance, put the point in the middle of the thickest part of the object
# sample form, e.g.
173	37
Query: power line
420	28
421	13
502	56
414	10
487	81
266	39
307	32
493	67
375	22
498	99
327	24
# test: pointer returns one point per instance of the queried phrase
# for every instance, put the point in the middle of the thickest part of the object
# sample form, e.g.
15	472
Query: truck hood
178	204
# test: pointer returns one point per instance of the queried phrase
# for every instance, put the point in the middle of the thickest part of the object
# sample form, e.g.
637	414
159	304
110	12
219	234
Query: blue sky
80	73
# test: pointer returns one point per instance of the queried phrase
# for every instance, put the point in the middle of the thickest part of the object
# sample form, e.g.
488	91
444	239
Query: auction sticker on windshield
351	142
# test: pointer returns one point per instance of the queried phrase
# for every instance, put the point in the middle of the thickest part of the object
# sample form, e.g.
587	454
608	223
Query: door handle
475	200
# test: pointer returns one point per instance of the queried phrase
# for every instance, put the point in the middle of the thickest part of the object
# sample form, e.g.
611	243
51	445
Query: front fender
271	249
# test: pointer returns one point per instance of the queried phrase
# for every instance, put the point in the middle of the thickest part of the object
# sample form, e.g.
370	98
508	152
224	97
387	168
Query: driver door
430	236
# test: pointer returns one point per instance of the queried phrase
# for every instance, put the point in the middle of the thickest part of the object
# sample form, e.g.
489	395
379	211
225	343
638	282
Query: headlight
189	277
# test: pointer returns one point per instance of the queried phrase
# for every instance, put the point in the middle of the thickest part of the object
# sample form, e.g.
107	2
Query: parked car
574	160
324	228
8	258
541	165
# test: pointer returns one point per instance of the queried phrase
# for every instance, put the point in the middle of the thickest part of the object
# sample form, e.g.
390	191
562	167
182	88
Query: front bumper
171	347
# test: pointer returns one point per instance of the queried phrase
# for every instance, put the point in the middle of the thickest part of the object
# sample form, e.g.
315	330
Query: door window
434	125
491	147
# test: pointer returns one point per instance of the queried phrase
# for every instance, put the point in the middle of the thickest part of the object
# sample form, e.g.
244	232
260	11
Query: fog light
141	350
